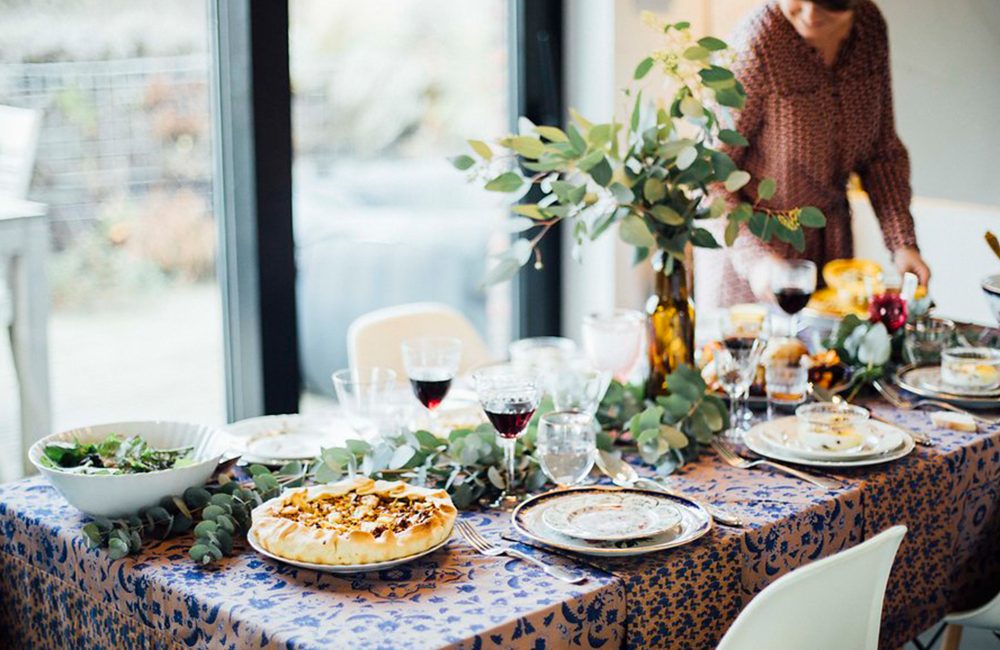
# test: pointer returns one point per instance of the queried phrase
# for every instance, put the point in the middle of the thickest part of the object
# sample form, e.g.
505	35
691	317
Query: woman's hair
836	5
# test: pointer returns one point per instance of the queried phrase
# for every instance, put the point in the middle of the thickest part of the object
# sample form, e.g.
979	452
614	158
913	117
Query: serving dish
115	495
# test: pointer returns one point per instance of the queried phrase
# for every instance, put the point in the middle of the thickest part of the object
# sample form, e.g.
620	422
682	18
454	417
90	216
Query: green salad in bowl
113	455
118	468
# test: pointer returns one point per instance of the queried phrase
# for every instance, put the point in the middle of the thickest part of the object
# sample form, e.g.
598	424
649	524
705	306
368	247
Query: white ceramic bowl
125	494
991	287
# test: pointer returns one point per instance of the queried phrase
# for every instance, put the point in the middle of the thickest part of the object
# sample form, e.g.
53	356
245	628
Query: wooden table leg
952	637
29	335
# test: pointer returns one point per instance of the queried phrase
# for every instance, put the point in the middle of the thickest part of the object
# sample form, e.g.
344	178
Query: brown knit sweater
809	127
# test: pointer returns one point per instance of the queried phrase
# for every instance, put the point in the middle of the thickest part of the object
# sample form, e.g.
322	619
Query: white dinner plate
612	516
278	439
784	435
910	378
340	568
758	444
929	377
528	519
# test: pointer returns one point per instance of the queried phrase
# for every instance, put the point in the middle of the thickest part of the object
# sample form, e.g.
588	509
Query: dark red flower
888	309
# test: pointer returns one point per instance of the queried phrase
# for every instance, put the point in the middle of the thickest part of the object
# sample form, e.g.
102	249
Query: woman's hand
908	260
759	277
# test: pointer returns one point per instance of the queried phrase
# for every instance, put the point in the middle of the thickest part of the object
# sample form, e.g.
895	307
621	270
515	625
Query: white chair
986	617
374	339
831	604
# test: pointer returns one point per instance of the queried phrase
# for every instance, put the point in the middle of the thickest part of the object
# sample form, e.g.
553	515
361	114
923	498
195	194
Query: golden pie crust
355	521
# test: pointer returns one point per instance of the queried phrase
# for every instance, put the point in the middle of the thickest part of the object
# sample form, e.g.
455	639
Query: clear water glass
566	445
366	399
926	337
613	341
787	385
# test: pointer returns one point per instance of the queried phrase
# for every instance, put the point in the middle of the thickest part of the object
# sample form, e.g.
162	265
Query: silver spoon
624	475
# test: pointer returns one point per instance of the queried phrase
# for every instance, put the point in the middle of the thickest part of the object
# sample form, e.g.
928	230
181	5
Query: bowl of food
117	469
991	288
971	368
832	427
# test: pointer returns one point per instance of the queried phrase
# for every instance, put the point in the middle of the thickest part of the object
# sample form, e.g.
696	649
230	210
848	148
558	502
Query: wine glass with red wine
793	283
431	364
509	395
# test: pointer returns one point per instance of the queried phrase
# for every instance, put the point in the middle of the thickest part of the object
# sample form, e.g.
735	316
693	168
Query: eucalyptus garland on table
467	463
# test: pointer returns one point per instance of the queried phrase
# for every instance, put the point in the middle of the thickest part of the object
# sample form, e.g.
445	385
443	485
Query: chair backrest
831	604
374	339
18	141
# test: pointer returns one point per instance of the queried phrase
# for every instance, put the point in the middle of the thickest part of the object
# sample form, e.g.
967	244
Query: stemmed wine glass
793	283
509	395
431	364
365	397
735	368
740	331
613	341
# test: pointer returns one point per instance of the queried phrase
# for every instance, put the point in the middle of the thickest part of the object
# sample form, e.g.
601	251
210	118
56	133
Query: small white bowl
116	495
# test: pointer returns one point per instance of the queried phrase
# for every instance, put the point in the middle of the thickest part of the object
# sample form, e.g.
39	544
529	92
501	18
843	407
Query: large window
383	92
124	163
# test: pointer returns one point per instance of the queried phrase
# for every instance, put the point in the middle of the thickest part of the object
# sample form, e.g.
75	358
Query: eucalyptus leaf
812	217
482	149
633	230
766	189
737	179
643	68
505	182
551	133
733	138
462	162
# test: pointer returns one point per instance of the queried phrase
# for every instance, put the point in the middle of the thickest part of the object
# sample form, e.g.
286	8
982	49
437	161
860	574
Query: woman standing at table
818	107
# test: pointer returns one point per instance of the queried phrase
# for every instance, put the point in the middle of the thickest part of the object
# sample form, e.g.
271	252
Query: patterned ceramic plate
928	378
784	435
760	445
528	519
612	516
336	568
277	439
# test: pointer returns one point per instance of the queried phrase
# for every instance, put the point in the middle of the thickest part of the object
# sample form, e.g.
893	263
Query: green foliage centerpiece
650	174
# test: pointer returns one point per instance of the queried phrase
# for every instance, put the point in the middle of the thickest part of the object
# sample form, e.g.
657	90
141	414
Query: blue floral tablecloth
55	592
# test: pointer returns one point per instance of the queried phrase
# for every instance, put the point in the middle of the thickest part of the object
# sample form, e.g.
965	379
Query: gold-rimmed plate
528	519
912	378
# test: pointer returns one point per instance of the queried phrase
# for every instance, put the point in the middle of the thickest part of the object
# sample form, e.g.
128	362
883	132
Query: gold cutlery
899	402
730	457
991	239
485	547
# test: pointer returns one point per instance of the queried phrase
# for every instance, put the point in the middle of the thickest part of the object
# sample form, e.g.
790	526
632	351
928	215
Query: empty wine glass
612	341
793	283
431	364
509	395
544	355
566	445
735	369
741	329
365	397
578	387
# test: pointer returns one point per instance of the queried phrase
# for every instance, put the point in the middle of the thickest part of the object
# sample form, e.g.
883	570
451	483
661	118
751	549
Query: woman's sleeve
749	69
886	175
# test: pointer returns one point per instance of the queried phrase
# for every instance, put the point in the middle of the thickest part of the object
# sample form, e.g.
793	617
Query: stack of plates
279	439
925	381
879	442
611	521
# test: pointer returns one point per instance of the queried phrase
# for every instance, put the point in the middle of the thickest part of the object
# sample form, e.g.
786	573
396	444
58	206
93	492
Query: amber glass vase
670	312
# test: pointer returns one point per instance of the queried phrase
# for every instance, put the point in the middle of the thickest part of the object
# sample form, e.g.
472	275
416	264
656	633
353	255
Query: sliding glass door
383	92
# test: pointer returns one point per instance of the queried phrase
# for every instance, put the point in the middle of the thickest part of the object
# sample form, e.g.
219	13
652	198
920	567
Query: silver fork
899	402
481	544
734	459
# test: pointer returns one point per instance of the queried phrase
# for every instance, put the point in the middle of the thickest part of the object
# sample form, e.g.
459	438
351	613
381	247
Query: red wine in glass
510	418
792	300
736	343
430	392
